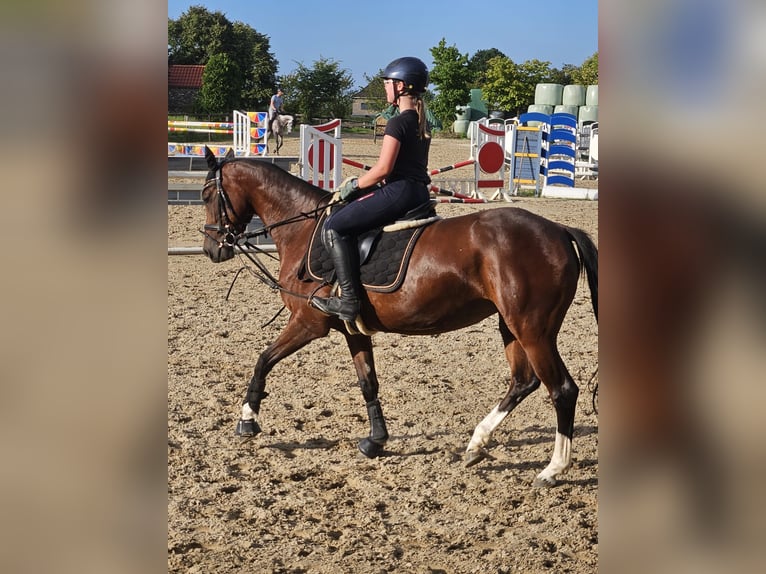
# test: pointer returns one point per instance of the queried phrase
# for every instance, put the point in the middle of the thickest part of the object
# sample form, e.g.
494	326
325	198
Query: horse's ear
230	153
210	158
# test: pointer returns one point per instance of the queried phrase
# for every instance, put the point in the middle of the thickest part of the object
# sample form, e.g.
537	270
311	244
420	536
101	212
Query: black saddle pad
384	268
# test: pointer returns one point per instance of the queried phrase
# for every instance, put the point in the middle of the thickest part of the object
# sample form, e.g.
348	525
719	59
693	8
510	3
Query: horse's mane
281	178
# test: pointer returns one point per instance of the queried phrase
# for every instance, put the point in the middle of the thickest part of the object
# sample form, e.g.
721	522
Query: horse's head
287	123
226	212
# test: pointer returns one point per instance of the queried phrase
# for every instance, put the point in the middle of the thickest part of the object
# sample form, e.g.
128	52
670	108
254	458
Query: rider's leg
343	250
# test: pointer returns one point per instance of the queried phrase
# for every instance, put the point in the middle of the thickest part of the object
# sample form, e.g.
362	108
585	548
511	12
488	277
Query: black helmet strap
397	93
405	92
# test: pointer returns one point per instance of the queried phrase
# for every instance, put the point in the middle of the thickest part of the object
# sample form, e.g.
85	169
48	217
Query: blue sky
365	36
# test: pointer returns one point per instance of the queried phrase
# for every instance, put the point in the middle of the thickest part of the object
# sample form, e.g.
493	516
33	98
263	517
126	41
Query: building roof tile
185	76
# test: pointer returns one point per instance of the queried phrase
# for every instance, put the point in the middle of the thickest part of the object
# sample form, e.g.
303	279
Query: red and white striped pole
451	167
455	196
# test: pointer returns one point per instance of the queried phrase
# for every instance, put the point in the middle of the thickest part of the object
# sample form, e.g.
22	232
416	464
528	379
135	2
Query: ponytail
420	107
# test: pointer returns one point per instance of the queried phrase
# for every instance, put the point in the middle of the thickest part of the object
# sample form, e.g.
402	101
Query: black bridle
225	227
231	235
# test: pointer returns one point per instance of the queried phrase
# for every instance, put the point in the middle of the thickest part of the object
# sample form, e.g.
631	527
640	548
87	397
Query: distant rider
275	108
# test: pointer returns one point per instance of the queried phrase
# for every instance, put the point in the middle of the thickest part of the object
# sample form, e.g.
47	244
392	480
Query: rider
402	166
275	107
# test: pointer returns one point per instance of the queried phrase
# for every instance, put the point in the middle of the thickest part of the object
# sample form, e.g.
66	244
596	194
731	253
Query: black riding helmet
411	71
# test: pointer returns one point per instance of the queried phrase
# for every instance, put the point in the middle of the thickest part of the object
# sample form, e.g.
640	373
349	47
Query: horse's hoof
248	427
369	448
544	482
473	457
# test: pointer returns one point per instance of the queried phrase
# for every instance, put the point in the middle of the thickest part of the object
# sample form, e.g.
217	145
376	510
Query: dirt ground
300	497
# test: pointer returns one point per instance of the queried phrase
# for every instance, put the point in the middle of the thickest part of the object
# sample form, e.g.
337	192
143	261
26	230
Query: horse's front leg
361	353
294	336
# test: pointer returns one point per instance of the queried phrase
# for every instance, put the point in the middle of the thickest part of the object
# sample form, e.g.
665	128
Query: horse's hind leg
361	352
523	382
563	391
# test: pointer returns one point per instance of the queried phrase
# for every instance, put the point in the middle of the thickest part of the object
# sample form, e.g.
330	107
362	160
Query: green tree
198	35
587	74
452	77
479	64
322	91
500	88
221	85
564	75
251	52
531	73
511	87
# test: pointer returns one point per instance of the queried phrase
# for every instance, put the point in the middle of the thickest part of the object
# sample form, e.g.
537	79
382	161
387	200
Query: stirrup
323	304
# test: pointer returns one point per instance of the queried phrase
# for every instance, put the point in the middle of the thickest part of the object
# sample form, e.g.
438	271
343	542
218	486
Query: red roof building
183	76
184	83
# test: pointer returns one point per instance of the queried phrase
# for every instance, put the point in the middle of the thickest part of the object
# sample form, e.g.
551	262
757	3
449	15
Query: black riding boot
346	260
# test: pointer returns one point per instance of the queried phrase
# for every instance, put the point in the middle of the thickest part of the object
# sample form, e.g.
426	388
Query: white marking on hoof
560	462
248	414
485	428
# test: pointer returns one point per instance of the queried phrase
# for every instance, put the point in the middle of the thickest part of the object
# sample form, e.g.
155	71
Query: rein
233	238
593	388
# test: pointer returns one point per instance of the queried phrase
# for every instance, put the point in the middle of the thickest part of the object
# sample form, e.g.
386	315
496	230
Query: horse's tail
589	260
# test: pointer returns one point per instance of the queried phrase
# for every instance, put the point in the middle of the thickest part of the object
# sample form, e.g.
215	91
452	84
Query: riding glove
348	188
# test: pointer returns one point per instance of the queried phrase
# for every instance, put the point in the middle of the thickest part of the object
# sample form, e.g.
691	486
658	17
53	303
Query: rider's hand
348	188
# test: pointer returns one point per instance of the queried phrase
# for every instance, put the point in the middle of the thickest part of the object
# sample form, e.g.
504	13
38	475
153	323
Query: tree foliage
323	91
252	53
511	87
199	35
505	85
452	77
531	73
221	85
564	75
501	87
587	74
479	64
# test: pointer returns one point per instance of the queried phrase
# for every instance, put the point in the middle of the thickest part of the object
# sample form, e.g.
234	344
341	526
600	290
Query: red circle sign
491	157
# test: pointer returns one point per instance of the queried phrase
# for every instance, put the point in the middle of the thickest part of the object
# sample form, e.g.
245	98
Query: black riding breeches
378	207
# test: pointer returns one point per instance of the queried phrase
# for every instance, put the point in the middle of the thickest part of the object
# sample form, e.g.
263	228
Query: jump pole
456	197
451	167
353	163
199	251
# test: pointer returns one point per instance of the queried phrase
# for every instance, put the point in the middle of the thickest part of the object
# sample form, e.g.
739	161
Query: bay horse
280	126
505	261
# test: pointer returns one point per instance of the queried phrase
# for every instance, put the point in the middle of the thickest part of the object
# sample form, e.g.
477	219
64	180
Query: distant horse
462	270
280	126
